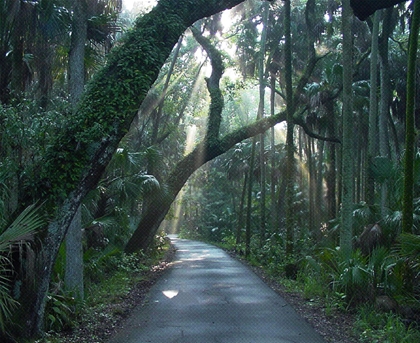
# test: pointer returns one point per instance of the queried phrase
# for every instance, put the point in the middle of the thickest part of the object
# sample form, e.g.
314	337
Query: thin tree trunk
346	232
332	168
373	111
273	156
319	208
290	150
410	133
311	182
18	79
241	211
385	100
262	80
248	227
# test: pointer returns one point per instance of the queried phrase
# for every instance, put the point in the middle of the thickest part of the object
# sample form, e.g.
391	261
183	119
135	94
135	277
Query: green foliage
375	327
18	233
409	247
98	264
28	132
60	312
359	278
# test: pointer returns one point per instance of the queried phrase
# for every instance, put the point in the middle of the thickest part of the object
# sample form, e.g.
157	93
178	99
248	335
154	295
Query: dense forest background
277	129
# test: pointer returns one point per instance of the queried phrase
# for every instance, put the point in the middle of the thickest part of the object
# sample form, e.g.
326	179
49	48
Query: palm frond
22	228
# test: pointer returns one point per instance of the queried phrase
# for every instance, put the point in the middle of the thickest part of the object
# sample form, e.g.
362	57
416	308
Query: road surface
209	297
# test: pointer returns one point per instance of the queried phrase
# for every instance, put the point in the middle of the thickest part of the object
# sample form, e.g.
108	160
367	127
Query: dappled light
170	293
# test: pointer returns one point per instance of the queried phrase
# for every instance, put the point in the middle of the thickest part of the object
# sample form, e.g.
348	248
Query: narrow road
206	297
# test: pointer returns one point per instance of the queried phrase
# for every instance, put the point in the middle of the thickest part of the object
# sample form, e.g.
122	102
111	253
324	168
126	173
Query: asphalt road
206	297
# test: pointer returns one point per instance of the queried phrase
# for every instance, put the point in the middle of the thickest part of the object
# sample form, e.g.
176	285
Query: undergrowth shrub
372	326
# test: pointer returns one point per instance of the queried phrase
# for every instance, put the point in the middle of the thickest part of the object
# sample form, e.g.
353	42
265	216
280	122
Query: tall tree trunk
332	168
18	64
319	209
311	183
410	131
240	226
248	226
373	111
290	149
262	80
385	100
73	276
346	232
273	156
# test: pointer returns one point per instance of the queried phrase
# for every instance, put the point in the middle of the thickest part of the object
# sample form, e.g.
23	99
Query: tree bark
373	111
346	232
385	101
290	149
73	276
410	133
261	105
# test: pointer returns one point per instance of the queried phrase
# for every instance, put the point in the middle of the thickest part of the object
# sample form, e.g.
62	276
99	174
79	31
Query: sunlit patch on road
170	293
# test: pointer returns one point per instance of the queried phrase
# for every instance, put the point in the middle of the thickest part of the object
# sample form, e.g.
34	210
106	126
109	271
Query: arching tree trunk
205	151
104	115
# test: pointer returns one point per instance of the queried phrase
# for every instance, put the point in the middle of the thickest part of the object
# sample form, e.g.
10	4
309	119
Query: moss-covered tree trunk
74	165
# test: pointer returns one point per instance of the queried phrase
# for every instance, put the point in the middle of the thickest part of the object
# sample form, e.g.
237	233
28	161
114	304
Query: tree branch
364	8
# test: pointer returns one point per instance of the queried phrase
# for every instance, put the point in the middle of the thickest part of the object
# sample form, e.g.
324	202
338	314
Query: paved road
206	297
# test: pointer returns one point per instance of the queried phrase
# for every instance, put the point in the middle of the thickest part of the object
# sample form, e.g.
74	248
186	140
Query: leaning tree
75	162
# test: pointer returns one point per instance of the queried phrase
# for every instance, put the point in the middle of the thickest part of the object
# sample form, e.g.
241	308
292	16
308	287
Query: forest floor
335	327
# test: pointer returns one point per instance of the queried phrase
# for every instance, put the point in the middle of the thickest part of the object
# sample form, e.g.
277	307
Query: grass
375	327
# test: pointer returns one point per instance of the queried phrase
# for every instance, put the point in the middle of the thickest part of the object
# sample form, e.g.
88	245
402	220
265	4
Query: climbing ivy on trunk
74	164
